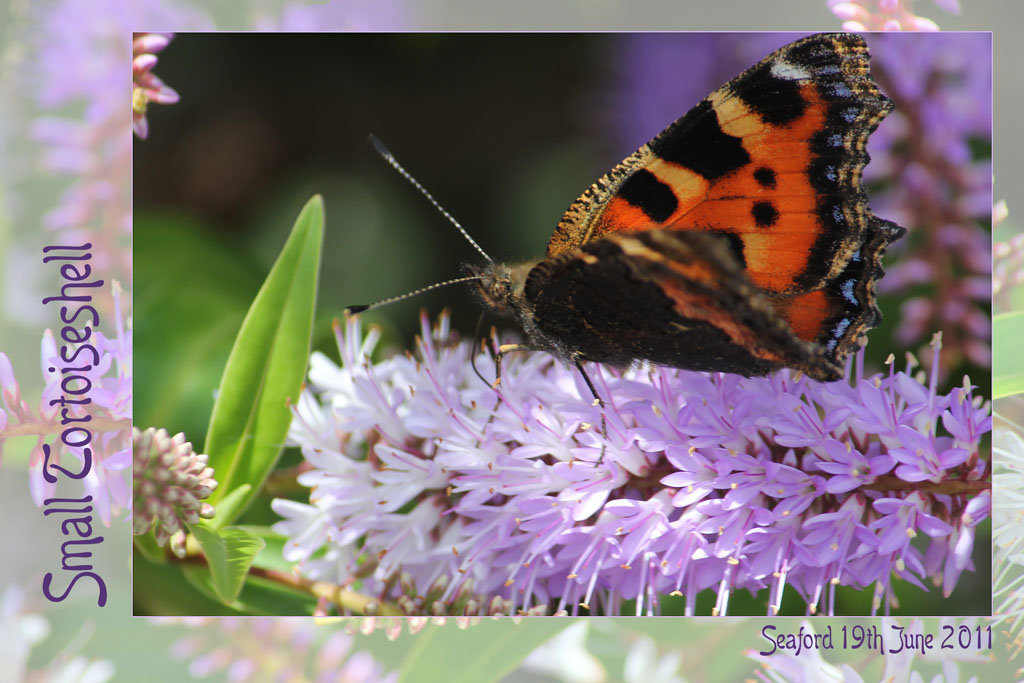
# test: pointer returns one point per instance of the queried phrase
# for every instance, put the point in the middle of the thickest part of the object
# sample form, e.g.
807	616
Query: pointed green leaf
266	368
1007	360
229	554
272	555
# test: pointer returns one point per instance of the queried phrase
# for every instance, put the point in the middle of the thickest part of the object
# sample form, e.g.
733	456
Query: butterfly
738	240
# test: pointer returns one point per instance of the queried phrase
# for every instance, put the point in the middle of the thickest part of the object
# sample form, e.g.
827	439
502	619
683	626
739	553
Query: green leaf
272	555
1007	359
488	651
266	368
229	554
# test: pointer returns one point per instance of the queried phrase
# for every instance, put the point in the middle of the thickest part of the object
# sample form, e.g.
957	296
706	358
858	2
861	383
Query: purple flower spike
435	492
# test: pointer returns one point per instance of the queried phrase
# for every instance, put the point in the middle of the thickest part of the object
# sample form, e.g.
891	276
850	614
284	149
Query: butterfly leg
499	354
597	401
502	350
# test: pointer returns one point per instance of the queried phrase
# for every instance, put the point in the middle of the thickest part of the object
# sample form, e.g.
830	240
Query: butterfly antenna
350	310
390	158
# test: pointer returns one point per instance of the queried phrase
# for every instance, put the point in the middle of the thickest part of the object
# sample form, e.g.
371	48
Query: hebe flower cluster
426	479
169	483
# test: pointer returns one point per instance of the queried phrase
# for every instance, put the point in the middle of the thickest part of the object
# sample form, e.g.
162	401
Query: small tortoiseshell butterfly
738	240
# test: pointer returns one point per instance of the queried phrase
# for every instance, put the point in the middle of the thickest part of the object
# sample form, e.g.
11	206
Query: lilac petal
140	127
586	502
9	388
978	509
150	42
849	11
881	464
888	506
741	495
892	539
143	63
118	461
963	547
622	508
933	526
691	494
953	457
912	473
163	95
842	484
921	24
794	505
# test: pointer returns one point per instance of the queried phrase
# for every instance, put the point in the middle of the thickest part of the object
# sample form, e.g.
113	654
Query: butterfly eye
500	289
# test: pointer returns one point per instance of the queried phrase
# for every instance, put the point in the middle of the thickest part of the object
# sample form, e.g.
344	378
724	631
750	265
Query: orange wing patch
805	313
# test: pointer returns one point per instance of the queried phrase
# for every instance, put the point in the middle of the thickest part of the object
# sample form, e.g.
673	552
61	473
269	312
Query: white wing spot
790	72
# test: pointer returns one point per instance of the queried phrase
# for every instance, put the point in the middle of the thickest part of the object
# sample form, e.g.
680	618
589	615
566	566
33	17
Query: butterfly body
738	240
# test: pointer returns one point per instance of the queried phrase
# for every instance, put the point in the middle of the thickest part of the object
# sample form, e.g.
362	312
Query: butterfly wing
674	298
772	161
